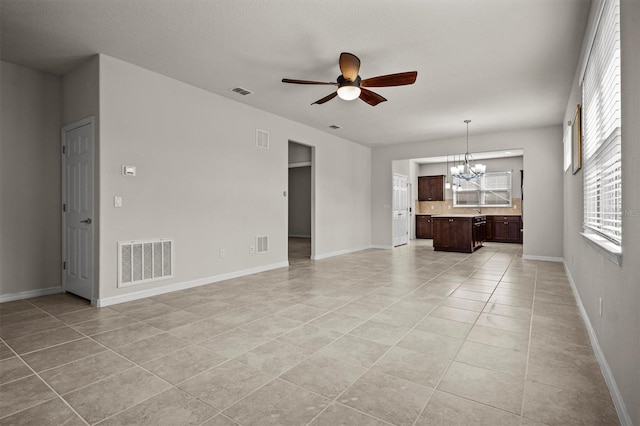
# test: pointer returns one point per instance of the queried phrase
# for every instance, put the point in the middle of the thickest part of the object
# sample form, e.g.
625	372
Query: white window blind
490	189
601	129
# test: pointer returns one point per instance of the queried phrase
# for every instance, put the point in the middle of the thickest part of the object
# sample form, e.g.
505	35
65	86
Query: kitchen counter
458	215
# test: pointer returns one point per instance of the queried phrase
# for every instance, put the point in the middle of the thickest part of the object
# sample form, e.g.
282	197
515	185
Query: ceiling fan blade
326	98
399	79
370	97
290	80
349	66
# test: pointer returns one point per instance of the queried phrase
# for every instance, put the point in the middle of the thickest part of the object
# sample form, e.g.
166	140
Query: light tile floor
405	337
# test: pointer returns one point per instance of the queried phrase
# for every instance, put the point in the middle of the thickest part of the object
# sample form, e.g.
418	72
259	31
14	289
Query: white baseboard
616	396
107	301
299	236
29	294
338	253
543	258
381	247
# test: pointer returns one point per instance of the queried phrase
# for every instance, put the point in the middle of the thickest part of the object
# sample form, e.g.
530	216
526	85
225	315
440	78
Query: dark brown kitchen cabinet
458	233
431	188
504	229
424	226
489	229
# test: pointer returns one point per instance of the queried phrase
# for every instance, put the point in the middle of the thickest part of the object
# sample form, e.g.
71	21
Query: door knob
87	221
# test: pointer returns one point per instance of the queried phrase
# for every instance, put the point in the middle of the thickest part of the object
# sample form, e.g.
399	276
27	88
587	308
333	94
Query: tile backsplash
444	207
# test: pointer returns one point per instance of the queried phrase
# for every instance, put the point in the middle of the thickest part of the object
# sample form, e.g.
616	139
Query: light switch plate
128	170
117	201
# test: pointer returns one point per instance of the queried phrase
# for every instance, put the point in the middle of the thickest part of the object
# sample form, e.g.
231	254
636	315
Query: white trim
611	250
542	258
338	253
30	293
299	236
78	124
380	246
108	301
616	396
302	164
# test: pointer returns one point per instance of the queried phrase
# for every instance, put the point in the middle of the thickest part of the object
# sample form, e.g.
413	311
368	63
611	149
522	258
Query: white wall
80	92
202	181
30	202
512	164
594	275
543	190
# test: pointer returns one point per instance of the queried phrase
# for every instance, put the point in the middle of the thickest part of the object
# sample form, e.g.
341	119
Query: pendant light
466	170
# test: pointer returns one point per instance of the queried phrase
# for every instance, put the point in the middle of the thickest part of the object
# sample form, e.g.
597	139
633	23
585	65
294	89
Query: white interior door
77	216
400	210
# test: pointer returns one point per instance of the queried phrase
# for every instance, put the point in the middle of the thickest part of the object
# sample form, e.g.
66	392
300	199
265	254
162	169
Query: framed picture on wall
566	144
576	141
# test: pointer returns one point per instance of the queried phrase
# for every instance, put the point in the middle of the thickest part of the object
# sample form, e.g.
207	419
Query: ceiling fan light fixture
349	82
349	93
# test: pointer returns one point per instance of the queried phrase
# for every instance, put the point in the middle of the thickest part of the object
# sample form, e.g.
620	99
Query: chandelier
466	170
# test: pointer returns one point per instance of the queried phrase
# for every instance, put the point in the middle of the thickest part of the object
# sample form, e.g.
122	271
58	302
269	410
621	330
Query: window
489	189
601	129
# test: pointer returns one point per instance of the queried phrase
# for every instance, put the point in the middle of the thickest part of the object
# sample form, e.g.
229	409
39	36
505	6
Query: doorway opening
301	184
498	195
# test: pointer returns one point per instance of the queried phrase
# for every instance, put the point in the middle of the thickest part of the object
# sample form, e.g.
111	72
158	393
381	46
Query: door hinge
64	207
64	149
64	265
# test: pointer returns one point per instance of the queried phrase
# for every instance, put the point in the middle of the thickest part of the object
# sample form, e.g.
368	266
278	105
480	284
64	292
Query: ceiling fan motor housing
344	82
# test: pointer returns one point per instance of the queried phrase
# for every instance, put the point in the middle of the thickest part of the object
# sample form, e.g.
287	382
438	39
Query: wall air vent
334	126
144	261
262	244
262	138
242	91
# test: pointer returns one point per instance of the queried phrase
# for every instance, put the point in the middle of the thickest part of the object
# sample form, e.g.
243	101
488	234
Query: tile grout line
435	387
370	368
335	400
526	370
57	395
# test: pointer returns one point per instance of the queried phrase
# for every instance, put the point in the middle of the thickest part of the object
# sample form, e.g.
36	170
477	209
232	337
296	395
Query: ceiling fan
351	86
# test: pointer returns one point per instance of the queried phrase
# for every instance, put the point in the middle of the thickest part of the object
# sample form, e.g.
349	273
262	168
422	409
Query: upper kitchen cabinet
431	188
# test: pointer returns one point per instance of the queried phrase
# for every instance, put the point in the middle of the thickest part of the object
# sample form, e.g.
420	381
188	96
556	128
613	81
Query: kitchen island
463	233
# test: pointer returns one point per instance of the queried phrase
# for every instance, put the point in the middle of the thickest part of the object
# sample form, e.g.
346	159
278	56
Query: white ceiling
505	64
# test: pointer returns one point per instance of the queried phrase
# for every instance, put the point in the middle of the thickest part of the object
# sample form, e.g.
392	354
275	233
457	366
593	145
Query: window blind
490	189
601	129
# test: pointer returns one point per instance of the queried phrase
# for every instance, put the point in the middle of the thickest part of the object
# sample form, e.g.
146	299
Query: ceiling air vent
334	126
242	91
262	138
